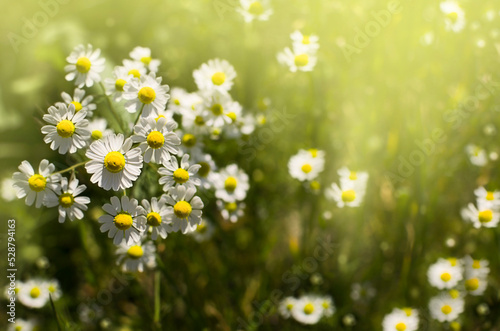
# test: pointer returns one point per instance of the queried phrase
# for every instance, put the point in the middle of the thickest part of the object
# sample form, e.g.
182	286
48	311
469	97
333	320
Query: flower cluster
36	293
302	56
307	309
486	211
401	319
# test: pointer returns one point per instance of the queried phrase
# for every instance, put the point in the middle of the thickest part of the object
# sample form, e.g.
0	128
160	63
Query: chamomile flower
203	231
445	273
21	325
255	10
352	177
134	68
113	164
286	306
136	257
157	140
455	16
307	310
124	221
304	43
297	60
80	101
143	54
475	284
231	184
157	218
485	197
36	187
54	288
67	130
195	121
445	308
99	128
9	292
206	173
327	304
115	87
347	194
175	174
185	208
33	294
147	94
240	125
305	166
70	205
231	211
482	216
405	319
219	109
180	101
84	66
477	155
476	267
215	75
191	144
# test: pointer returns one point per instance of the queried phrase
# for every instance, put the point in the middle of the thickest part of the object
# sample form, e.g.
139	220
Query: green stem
70	168
55	313
157	299
137	118
113	111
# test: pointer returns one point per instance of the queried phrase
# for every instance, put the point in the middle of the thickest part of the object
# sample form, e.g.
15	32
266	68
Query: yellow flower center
217	109
256	8
65	128
453	16
37	183
408	311
146	59
181	176
472	284
204	170
231	207
453	261
182	209
490	196
189	140
445	277
135	252
147	95
96	134
199	120
218	78
485	216
455	326
315	185
177	102
305	40
52	288
230	184
301	60
353	175
135	73
154	219
446	309
35	292
454	294
314	152
155	139
289	306
66	200
114	162
83	65
78	106
348	196
119	84
401	326
232	116
308	309
306	168
325	305
201	228
123	221
476	264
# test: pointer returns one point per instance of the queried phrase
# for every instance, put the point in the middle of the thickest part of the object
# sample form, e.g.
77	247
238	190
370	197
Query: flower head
84	66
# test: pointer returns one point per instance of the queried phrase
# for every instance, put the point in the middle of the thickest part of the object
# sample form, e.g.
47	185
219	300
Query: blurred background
369	112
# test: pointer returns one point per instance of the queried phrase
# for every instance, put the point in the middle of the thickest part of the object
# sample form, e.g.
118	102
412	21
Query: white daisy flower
124	221
240	125
21	325
219	109
113	163
157	140
297	60
36	186
304	43
185	207
80	101
195	120
215	75
328	306
455	16
305	166
445	273
157	217
134	68
231	184
136	256
405	319
84	66
286	305
115	86
67	131
146	92
143	54
352	177
475	284
255	10
347	194
231	211
33	294
476	267
54	289
181	101
203	231
445	308
8	189
174	174
191	144
99	128
307	310
71	205
485	197
481	216
9	291
477	155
